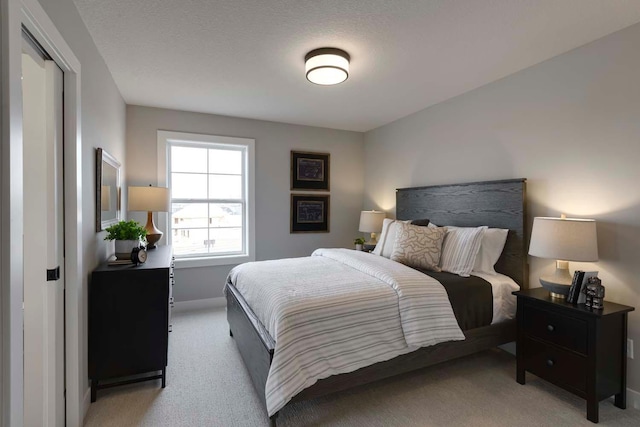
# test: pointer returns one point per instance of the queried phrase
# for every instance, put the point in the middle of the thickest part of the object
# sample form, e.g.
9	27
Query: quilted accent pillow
418	246
460	249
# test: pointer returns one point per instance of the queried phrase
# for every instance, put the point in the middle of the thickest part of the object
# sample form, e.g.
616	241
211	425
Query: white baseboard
86	402
199	304
633	399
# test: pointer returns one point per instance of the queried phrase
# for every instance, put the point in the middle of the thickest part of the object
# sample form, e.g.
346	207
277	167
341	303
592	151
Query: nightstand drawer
566	331
555	364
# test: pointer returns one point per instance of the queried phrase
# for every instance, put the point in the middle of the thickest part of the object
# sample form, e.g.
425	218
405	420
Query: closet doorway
43	254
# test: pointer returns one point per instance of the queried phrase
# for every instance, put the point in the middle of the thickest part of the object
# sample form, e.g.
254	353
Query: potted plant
359	242
127	235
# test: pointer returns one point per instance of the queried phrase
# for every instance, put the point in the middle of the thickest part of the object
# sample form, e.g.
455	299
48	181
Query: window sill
212	261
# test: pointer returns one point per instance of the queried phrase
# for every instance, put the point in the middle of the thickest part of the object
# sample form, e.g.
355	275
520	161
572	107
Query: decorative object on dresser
127	236
107	190
359	242
584	351
309	213
595	294
129	321
309	171
577	290
150	199
371	222
563	239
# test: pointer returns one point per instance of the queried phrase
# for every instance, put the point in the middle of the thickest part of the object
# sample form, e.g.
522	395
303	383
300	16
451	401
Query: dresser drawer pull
550	328
550	363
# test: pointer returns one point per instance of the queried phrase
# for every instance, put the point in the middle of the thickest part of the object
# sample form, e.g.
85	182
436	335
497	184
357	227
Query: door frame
15	14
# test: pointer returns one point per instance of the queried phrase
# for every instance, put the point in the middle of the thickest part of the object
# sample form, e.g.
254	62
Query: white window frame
168	138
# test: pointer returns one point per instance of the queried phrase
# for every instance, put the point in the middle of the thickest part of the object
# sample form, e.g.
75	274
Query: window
211	181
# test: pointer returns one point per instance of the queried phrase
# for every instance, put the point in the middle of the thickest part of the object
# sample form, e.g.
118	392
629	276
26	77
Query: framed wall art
309	213
309	171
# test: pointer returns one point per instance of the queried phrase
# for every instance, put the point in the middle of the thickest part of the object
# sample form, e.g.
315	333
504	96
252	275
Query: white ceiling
245	58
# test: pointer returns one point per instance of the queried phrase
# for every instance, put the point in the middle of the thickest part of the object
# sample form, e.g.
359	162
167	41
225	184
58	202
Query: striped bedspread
338	311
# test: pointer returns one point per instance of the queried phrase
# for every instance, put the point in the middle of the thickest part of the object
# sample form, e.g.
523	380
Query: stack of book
577	293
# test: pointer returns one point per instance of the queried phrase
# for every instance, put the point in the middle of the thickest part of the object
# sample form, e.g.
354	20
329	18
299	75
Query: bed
497	204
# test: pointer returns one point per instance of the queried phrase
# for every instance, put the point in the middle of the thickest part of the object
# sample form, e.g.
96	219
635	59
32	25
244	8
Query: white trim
164	137
11	250
633	399
199	304
86	402
212	261
29	13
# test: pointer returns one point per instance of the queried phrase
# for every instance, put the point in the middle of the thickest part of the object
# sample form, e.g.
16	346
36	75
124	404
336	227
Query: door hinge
53	274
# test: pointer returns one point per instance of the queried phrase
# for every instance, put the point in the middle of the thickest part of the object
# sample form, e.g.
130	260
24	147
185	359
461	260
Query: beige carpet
209	386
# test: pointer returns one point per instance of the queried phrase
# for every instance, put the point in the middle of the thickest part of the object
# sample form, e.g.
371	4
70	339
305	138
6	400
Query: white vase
124	248
358	247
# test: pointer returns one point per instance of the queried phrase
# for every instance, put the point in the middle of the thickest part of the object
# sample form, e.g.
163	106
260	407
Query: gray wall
274	141
571	125
103	117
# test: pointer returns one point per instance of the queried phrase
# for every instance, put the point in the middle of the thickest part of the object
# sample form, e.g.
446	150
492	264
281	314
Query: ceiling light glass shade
327	66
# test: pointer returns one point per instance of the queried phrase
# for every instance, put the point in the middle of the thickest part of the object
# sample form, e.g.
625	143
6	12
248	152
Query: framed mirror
107	190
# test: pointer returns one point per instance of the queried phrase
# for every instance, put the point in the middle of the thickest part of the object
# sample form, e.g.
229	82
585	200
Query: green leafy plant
358	241
125	230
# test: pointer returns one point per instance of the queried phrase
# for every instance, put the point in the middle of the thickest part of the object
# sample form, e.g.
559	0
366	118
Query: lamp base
153	234
559	283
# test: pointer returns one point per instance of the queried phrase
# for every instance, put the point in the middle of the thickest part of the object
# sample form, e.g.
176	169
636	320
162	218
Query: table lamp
563	239
150	199
371	222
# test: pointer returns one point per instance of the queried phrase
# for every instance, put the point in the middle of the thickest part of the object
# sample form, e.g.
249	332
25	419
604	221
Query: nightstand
583	351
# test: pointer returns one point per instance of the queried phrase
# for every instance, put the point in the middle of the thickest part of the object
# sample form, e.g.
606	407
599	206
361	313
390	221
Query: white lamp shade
567	239
152	199
371	221
105	198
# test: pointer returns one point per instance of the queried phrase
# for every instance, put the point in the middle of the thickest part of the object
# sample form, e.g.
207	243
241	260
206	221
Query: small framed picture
309	171
309	214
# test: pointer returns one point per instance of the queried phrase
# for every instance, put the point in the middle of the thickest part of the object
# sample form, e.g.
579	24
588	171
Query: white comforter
338	311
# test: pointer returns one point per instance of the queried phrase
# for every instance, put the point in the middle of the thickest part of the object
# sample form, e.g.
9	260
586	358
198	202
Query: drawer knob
550	363
550	328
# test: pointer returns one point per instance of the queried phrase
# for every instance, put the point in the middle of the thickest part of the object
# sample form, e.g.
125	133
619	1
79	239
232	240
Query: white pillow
387	237
460	249
493	242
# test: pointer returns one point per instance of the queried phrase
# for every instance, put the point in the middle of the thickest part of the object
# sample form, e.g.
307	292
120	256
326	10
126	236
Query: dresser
130	320
583	351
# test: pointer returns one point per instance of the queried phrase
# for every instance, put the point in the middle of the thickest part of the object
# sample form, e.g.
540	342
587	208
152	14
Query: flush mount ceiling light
327	66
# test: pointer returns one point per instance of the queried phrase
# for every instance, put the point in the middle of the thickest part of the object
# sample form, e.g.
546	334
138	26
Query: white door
43	240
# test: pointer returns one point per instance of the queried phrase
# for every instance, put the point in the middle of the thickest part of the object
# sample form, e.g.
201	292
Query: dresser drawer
566	331
555	364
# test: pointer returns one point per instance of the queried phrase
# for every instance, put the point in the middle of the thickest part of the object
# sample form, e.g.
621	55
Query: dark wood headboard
498	204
